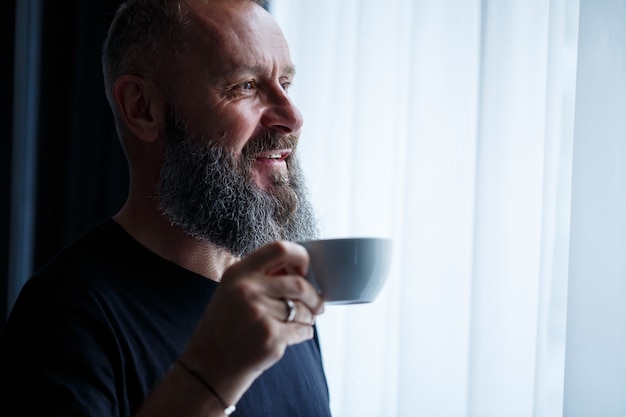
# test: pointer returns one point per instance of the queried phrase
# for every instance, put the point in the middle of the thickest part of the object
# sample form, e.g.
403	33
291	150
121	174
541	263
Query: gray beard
209	192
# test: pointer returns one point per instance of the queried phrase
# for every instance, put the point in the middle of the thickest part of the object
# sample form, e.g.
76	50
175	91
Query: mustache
269	141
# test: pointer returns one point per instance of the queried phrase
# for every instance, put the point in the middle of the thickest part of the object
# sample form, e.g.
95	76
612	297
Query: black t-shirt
95	329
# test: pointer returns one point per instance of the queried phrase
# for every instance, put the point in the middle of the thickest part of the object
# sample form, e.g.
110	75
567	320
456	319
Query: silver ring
291	310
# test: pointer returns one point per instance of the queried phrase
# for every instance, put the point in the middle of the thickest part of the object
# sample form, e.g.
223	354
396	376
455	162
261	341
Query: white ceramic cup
348	270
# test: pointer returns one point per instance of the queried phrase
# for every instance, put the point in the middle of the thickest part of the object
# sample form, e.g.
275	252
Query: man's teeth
275	156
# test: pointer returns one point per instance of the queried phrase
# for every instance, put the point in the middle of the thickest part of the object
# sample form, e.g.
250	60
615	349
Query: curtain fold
595	372
447	126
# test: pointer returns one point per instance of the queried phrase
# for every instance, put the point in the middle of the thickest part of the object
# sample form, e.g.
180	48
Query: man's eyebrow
288	70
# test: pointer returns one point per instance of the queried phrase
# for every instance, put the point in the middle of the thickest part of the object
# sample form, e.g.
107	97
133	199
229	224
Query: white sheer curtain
446	125
595	366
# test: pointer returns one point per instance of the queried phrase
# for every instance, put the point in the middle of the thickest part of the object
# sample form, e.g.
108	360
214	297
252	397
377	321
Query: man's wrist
228	408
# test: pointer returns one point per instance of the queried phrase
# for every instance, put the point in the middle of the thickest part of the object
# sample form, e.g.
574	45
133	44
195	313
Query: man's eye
242	89
246	86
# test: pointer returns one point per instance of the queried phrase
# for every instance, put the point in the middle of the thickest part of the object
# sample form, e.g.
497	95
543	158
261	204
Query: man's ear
141	106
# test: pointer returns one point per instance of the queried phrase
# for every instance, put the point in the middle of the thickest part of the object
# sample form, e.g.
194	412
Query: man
120	323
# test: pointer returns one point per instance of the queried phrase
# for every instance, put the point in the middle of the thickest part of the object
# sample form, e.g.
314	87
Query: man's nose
281	114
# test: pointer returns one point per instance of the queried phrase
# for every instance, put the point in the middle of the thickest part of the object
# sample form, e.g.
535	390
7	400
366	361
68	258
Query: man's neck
170	242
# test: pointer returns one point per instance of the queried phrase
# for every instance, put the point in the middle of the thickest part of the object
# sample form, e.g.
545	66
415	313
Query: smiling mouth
270	168
274	155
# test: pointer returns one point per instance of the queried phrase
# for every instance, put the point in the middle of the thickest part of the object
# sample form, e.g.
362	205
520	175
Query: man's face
230	175
232	82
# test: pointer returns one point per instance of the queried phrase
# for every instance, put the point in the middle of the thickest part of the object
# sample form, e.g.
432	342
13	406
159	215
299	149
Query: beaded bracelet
228	409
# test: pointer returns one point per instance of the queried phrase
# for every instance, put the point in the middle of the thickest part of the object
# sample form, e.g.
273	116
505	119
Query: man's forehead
221	14
244	34
233	20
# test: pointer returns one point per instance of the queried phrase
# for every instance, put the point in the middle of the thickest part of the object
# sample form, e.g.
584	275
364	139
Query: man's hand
244	329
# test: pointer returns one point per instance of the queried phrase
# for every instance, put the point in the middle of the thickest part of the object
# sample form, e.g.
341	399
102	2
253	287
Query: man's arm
242	333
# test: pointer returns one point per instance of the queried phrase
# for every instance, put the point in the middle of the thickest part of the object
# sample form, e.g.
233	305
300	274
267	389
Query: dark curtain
82	175
81	172
7	38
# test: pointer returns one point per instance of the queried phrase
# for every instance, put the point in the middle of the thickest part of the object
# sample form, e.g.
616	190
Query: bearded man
191	300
